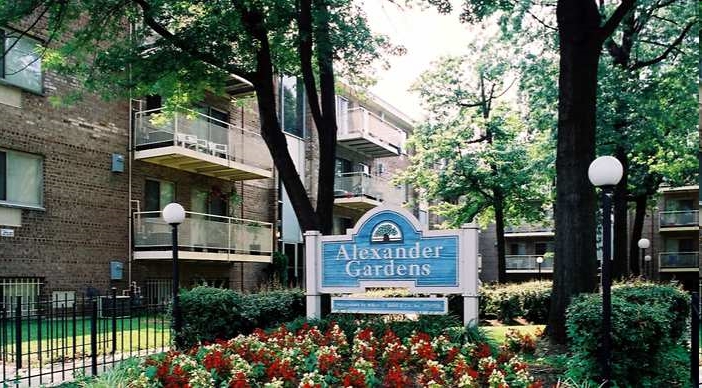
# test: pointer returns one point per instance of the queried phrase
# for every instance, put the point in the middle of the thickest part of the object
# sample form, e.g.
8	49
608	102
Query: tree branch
666	52
611	24
186	45
305	43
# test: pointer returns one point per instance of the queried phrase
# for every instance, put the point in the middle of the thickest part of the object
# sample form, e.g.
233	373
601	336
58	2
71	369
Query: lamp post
174	214
605	172
648	269
539	260
643	244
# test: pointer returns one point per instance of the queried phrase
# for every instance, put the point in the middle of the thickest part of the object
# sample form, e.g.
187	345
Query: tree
649	59
183	49
583	27
473	152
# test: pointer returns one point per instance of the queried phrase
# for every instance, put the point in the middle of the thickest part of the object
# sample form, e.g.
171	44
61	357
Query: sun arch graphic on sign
388	248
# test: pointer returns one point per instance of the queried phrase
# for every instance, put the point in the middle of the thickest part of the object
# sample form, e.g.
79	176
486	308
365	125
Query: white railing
366	123
527	263
201	133
678	218
200	232
359	184
668	260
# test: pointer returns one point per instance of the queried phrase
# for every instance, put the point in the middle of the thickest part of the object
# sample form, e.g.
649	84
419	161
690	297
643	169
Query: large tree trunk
620	265
637	232
498	205
575	267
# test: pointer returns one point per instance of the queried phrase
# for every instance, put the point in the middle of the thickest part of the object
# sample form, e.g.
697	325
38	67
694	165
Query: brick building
82	187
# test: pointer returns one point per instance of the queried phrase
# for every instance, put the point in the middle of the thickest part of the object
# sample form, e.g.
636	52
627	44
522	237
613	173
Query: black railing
50	341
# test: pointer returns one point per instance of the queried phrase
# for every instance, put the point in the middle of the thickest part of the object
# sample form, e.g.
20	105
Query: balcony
527	264
203	237
678	261
200	144
678	220
369	134
360	191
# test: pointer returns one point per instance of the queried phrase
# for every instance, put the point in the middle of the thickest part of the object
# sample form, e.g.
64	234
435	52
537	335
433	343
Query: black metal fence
49	341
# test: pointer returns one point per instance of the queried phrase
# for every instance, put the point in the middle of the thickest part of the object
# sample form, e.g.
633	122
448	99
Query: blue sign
390	305
389	249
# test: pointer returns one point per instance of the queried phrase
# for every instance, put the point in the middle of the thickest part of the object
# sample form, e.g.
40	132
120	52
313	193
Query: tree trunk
498	205
575	268
620	265
276	141
636	233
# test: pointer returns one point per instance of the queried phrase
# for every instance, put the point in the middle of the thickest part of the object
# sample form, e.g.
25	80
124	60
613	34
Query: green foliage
279	268
212	313
121	376
530	301
648	326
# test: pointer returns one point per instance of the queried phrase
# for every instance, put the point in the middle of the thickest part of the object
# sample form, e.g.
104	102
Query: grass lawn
61	339
497	333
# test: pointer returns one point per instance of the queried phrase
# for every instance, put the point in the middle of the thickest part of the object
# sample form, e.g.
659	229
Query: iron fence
47	341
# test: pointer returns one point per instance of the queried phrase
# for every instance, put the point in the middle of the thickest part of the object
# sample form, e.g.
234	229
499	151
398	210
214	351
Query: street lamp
649	269
605	172
174	214
539	260
643	244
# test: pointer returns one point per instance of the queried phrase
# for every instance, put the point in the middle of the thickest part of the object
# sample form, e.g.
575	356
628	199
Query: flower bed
312	358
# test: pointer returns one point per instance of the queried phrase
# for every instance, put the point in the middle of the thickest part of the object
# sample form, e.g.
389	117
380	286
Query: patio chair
218	149
186	140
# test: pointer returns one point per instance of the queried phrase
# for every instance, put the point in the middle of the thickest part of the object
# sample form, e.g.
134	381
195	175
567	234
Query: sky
425	34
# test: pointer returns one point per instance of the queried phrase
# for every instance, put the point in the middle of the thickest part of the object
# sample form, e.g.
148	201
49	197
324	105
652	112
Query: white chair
186	140
218	149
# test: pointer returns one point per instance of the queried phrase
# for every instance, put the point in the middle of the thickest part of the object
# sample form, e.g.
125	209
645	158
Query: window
292	106
21	179
342	114
541	248
21	66
158	194
27	288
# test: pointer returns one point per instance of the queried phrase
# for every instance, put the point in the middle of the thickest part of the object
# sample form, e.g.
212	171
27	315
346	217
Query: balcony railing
205	135
527	263
678	218
359	184
204	234
672	261
369	133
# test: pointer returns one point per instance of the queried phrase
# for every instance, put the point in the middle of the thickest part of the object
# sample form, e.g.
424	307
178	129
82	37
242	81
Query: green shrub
214	313
648	326
530	301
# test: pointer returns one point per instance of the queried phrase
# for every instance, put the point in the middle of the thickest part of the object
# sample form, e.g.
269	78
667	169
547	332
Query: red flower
218	362
239	381
281	369
482	351
354	378
396	379
536	384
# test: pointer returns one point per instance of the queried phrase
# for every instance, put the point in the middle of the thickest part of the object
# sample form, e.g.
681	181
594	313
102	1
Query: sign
390	250
425	306
7	233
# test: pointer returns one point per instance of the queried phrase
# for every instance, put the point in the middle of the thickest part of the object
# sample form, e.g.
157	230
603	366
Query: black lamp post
647	267
643	244
174	214
605	172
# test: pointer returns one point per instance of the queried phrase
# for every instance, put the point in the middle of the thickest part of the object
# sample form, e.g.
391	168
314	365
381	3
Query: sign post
389	248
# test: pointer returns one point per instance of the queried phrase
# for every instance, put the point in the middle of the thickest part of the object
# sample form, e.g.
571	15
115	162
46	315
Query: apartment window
517	248
21	179
342	114
292	106
158	194
21	64
541	248
27	288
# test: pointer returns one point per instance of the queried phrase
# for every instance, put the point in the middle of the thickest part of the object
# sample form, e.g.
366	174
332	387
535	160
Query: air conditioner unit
106	310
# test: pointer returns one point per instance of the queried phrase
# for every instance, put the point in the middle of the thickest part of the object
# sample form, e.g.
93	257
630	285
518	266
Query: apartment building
672	227
82	187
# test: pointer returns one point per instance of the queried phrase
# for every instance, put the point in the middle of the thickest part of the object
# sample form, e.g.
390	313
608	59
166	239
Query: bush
214	313
530	301
648	326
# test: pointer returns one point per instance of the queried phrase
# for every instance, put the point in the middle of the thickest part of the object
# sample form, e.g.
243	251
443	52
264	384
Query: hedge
213	313
505	302
649	326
